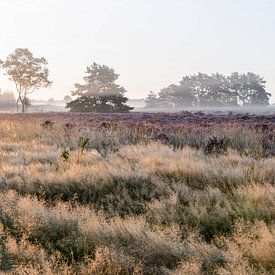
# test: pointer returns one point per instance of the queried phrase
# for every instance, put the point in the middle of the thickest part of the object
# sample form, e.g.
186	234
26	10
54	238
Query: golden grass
126	207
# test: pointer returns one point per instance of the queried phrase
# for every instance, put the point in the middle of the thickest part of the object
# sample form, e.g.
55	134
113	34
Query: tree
51	101
27	72
166	96
257	94
7	99
67	98
215	90
100	93
185	93
152	100
250	89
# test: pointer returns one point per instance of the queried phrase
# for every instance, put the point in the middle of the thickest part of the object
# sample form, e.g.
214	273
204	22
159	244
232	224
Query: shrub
47	124
215	145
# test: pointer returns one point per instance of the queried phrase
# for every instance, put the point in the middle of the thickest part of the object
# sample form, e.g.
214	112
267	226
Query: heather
182	193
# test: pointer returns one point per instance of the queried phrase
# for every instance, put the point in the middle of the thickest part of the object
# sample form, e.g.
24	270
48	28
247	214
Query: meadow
138	193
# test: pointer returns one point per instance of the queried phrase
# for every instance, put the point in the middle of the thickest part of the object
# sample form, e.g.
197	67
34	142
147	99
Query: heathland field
182	193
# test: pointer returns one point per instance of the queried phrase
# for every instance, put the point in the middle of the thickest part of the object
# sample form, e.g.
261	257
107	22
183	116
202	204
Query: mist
137	137
150	43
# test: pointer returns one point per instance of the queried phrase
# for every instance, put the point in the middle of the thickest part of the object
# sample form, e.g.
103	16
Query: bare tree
27	72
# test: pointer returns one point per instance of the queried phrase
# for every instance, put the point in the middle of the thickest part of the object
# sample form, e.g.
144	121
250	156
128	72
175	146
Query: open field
140	193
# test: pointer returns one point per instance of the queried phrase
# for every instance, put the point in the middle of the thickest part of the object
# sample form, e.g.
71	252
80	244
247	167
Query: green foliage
100	93
214	90
64	154
83	143
152	101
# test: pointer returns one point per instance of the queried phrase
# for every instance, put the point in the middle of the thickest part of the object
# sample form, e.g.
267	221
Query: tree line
101	93
216	90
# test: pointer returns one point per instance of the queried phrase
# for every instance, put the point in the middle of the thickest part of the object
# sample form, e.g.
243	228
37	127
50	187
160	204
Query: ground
140	193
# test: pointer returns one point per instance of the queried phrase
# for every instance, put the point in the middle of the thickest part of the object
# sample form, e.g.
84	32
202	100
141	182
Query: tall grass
132	201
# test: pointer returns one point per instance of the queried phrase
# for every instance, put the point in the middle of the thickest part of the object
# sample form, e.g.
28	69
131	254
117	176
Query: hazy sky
150	43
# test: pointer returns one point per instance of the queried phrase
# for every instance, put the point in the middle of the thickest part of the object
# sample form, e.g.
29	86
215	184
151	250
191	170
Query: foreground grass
130	204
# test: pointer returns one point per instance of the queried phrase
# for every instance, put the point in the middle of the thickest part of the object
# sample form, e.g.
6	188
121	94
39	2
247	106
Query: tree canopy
67	98
27	72
99	93
212	90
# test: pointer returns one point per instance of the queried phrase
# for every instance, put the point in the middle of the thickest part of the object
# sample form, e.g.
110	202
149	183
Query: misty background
149	43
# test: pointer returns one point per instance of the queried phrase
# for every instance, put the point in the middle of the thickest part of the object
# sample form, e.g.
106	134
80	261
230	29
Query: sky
150	43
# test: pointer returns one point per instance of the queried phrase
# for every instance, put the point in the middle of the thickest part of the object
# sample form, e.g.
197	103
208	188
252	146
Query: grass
127	200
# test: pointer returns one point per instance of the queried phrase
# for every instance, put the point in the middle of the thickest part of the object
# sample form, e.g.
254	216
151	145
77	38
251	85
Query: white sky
150	43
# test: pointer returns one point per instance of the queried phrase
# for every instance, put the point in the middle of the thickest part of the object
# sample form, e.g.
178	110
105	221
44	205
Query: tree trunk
17	102
23	105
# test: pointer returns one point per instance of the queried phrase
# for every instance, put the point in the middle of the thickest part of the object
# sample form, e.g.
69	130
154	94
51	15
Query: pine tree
100	93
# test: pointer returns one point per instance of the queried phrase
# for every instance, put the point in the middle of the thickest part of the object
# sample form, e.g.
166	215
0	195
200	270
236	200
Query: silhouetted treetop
214	90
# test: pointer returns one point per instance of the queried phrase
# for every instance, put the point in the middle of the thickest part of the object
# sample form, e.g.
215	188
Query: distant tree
51	100
177	96
67	98
238	84
152	100
229	95
184	94
166	96
214	90
7	99
100	93
27	72
203	93
250	89
257	95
